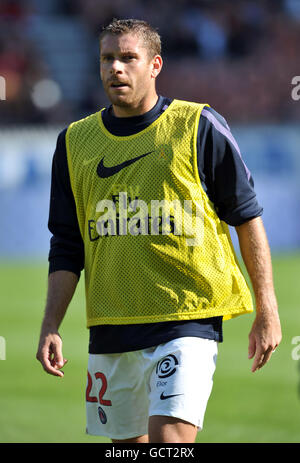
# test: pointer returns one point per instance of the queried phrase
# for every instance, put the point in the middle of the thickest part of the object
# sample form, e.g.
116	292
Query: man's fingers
251	348
267	356
57	360
57	365
50	355
47	364
261	358
264	337
257	360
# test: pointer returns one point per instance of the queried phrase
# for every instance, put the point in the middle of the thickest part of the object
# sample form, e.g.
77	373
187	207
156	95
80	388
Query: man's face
126	69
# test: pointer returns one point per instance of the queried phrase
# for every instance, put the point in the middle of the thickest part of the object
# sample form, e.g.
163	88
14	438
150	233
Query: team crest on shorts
102	415
167	366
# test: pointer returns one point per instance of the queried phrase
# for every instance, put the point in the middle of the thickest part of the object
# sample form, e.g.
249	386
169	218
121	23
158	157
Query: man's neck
130	111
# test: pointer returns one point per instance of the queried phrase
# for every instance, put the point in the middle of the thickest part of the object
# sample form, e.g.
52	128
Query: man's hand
264	337
50	353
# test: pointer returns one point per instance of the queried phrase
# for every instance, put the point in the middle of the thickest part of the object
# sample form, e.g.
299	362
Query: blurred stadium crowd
238	56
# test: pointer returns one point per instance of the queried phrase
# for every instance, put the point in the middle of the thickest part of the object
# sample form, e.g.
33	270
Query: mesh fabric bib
155	249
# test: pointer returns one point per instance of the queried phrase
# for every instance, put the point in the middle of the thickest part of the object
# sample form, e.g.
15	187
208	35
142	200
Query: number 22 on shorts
102	391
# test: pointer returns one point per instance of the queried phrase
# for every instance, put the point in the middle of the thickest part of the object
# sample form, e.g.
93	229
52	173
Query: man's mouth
118	84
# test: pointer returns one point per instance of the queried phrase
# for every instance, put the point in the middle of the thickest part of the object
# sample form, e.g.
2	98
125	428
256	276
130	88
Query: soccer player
142	194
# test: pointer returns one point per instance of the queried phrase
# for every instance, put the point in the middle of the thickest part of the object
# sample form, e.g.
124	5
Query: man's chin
121	101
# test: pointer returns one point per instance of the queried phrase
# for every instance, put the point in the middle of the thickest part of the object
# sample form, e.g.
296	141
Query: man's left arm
230	186
265	334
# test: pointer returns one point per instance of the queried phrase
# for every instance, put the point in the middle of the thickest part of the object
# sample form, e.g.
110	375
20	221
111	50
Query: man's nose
116	66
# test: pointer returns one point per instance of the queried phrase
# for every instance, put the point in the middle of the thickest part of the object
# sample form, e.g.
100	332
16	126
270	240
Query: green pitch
244	407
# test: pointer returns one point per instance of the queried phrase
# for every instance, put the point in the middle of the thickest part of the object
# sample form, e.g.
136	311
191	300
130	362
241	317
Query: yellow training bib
155	249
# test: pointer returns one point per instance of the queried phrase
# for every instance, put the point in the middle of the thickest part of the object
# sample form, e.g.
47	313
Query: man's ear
157	64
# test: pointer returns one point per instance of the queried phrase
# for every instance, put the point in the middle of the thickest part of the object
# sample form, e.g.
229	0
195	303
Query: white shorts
172	379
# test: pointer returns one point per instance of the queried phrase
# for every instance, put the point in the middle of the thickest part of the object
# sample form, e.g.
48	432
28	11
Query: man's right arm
66	260
61	287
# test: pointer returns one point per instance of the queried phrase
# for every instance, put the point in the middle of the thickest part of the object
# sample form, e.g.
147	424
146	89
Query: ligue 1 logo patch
167	366
102	415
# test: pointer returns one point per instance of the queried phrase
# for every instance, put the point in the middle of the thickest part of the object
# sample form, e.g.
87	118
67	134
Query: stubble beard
130	100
